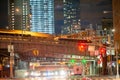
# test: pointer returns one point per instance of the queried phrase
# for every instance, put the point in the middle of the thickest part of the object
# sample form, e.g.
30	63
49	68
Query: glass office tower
71	11
42	16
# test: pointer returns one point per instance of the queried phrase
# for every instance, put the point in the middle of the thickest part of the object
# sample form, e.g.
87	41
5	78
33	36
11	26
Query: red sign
98	61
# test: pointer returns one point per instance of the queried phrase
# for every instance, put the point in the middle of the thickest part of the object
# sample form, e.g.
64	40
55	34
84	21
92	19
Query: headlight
26	73
35	74
63	72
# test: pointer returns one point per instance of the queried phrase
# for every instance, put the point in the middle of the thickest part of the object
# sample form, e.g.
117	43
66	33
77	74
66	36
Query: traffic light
82	47
83	61
102	50
72	61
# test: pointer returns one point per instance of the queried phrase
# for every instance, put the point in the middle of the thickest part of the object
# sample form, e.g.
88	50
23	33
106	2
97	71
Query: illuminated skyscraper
19	14
71	12
42	16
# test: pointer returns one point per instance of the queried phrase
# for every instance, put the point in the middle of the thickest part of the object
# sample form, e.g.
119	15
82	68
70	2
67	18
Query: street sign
10	48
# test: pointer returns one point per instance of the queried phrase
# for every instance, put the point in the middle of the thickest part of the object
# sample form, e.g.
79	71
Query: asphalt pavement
66	78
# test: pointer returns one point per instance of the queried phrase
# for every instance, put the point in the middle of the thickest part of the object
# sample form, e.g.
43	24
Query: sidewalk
104	78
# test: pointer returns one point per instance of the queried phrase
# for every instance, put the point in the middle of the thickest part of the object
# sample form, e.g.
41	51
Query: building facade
116	25
71	11
107	23
19	14
42	19
116	20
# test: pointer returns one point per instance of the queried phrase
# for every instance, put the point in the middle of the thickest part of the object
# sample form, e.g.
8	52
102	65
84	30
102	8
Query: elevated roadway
30	45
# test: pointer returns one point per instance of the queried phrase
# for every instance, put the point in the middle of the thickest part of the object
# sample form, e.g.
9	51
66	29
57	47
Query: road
63	78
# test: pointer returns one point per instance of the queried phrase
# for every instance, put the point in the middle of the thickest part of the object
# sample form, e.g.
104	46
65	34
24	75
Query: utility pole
11	50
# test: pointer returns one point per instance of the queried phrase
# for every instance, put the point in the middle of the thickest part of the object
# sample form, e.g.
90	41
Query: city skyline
91	13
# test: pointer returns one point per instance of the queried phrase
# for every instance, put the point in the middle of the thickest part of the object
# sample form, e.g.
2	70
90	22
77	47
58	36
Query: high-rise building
107	23
71	12
42	16
19	14
116	20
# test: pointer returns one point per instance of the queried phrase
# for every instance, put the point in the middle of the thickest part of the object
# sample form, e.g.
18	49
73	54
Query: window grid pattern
42	16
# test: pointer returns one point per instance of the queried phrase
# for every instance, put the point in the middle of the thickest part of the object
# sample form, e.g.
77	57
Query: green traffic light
83	61
72	61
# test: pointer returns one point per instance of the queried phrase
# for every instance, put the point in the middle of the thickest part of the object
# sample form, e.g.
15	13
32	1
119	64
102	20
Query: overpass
29	45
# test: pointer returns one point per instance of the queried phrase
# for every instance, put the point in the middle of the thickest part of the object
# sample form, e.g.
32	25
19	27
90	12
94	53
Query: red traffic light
82	47
102	50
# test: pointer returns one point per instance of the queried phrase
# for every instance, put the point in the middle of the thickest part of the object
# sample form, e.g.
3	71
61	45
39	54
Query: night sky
3	14
91	12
